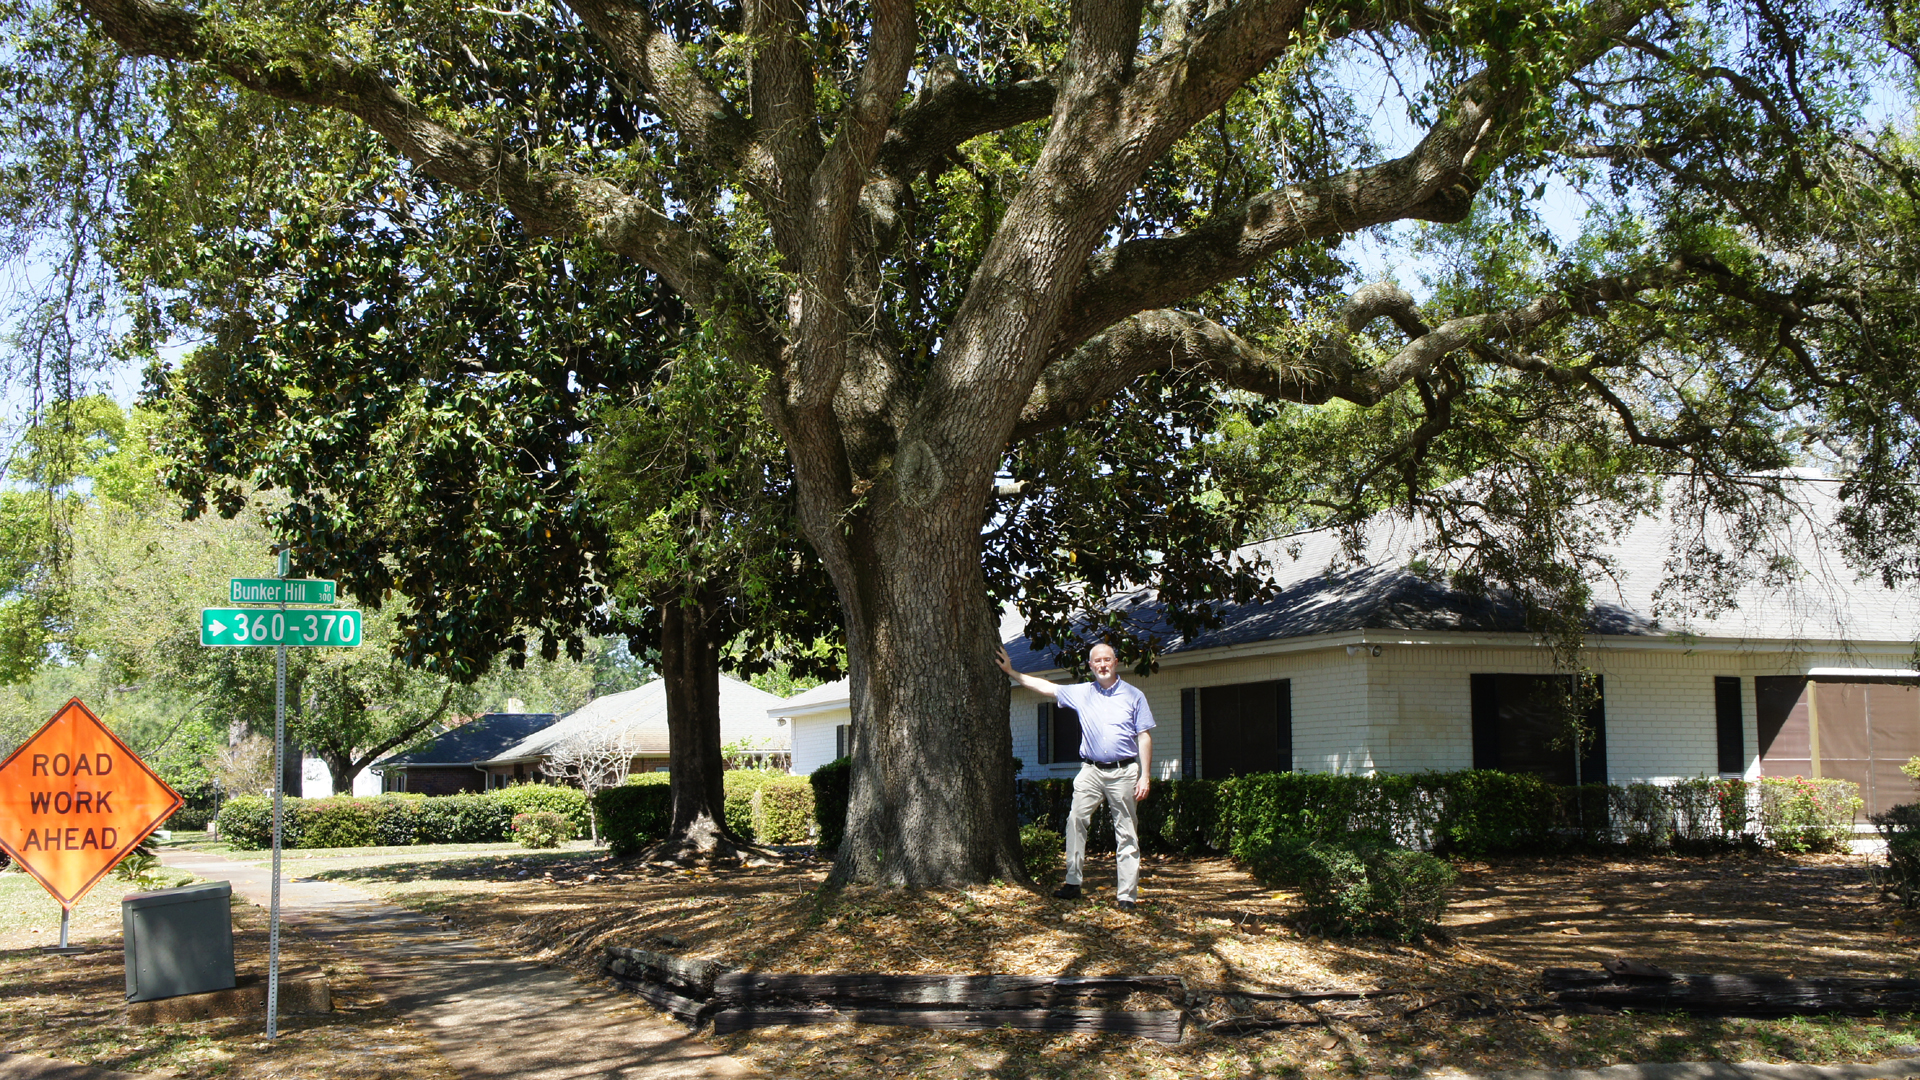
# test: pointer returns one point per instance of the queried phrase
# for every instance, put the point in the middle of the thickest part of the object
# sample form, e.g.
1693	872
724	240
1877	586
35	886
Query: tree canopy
933	239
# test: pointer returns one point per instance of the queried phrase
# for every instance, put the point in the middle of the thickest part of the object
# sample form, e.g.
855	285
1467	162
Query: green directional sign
255	626
266	590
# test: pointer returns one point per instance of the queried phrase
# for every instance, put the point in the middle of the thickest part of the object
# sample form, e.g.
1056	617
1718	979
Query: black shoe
1125	906
1067	892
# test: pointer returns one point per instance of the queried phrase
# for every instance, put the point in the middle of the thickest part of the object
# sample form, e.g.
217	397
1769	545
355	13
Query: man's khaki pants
1116	786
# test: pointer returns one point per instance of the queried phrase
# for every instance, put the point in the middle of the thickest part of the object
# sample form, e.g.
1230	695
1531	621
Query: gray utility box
179	941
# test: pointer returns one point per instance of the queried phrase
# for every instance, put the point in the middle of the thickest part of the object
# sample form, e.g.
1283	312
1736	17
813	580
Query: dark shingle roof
1323	591
474	741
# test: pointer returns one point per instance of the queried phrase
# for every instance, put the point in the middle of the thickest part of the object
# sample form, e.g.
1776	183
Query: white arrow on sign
218	626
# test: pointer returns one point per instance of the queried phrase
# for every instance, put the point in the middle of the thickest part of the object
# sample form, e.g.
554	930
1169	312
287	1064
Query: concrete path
490	1016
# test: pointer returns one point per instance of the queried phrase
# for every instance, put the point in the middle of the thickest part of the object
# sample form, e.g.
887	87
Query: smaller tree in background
592	760
243	768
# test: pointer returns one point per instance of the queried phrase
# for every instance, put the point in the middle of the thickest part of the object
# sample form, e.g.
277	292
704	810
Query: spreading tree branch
1435	181
640	47
554	202
1168	340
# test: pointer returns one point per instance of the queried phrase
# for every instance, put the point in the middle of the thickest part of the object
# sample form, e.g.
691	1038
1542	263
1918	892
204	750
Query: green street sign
266	590
244	626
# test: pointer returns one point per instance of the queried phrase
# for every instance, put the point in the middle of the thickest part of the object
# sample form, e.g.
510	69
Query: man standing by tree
1116	751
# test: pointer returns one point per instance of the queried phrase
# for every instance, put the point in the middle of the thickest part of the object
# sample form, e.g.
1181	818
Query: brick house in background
452	762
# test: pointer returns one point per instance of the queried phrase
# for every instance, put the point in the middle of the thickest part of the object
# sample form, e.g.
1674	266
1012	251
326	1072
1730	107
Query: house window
1059	733
1729	721
1246	728
842	740
1521	724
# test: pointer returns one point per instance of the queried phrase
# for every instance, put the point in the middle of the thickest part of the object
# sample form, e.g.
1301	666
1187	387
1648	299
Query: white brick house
1370	668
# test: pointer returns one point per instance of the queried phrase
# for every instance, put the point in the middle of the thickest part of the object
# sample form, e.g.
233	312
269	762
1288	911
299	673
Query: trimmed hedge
385	820
636	814
783	811
740	786
1474	812
832	785
568	802
761	805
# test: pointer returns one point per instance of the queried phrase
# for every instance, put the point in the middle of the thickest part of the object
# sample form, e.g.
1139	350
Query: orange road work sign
74	800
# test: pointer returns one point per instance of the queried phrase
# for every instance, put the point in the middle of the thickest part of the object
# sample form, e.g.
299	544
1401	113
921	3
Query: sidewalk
489	1015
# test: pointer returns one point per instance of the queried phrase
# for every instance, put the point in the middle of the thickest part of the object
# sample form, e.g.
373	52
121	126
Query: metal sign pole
279	790
66	919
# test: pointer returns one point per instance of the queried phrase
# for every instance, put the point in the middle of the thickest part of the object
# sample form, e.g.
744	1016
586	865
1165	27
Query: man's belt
1107	764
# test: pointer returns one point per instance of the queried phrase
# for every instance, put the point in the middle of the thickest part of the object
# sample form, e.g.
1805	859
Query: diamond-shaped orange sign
74	800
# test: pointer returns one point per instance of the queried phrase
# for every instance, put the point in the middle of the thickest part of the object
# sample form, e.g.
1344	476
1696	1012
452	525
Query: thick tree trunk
690	665
932	786
339	768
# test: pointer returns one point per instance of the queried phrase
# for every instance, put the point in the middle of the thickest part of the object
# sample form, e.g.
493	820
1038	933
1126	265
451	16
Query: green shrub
1359	888
400	823
199	808
1182	817
246	823
1048	803
740	787
541	828
337	822
1900	827
1641	816
634	815
568	802
1798	814
467	818
1486	812
832	784
1710	815
783	811
1041	850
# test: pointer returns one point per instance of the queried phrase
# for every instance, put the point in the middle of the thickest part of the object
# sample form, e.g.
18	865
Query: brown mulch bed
69	1008
1469	1000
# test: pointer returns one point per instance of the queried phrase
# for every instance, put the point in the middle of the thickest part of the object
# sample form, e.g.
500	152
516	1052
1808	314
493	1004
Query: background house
821	720
637	718
1369	667
452	762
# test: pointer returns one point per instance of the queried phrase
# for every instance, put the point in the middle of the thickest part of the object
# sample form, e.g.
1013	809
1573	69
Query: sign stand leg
64	949
279	790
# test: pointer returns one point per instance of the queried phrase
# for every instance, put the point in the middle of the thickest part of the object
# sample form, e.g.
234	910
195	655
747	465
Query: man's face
1103	662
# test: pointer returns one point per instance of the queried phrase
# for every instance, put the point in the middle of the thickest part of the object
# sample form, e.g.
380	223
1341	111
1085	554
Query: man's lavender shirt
1110	720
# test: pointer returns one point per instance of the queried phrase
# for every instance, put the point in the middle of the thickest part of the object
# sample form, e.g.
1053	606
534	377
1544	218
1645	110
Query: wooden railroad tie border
1163	1025
693	990
1644	988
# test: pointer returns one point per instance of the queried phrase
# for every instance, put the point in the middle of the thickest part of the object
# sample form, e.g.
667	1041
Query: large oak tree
938	232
